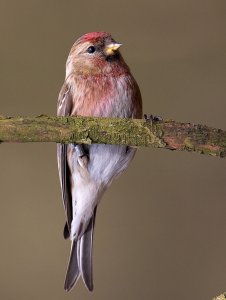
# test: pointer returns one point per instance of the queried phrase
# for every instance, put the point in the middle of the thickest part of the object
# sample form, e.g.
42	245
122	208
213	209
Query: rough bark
166	134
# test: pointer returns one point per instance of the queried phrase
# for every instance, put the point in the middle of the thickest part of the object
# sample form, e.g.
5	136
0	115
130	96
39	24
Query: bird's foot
83	157
152	119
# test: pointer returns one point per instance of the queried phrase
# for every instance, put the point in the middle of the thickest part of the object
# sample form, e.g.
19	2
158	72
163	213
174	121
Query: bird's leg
83	157
152	119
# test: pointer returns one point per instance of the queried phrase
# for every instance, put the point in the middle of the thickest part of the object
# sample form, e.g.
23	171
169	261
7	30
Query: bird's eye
91	49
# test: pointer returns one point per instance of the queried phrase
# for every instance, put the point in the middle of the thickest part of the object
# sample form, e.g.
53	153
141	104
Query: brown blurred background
161	230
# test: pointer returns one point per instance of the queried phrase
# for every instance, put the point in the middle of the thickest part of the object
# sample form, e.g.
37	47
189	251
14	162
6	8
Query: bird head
95	53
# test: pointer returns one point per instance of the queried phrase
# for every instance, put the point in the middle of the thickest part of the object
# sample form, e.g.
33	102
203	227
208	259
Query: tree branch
161	134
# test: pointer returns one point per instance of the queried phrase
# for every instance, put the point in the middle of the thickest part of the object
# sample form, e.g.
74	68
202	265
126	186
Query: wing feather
64	109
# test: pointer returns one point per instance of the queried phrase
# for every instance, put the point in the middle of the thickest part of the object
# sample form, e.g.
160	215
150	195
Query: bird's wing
64	107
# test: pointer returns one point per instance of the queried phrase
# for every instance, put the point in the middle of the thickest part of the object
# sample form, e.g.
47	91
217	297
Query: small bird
98	83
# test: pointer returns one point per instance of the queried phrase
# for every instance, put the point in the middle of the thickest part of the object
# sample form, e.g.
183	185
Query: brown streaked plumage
98	83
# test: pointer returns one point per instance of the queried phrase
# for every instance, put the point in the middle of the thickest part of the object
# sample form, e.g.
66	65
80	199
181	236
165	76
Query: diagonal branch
161	134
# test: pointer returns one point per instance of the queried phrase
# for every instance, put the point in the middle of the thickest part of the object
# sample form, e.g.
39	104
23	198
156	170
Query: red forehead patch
94	36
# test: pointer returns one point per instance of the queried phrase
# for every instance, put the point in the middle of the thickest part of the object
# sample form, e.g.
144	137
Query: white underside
106	162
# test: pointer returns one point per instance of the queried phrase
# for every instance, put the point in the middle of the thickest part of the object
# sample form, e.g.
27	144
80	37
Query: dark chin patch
112	58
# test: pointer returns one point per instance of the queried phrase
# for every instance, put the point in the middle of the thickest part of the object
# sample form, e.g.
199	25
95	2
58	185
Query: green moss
113	131
188	144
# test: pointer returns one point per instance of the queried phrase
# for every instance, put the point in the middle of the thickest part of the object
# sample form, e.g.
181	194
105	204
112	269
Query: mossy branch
161	134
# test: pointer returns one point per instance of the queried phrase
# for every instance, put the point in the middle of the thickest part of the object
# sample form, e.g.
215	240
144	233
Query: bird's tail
80	261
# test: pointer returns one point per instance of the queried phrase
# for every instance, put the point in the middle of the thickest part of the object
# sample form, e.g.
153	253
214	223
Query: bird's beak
112	48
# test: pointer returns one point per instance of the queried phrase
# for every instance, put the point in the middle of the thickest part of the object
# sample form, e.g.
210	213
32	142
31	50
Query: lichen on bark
140	133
